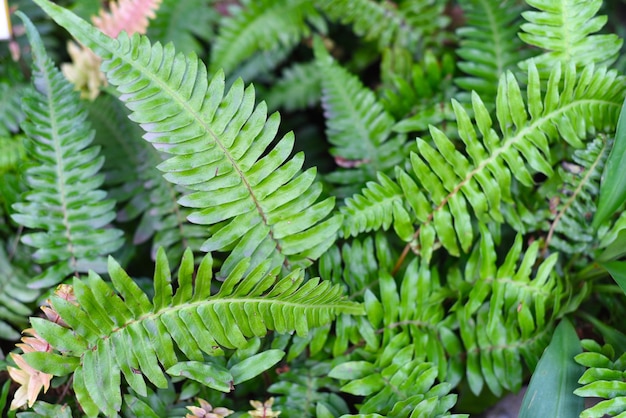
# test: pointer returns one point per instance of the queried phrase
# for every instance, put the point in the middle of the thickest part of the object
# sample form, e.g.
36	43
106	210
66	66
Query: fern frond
570	231
136	184
11	113
445	182
103	323
357	125
15	297
386	23
126	15
489	45
63	202
299	87
266	207
604	379
185	23
259	25
564	29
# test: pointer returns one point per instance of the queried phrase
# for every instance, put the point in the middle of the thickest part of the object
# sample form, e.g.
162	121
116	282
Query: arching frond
386	23
357	125
103	323
185	23
445	182
63	203
259	25
489	45
565	29
266	207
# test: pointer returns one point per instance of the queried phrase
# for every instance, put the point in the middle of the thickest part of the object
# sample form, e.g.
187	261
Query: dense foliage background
432	218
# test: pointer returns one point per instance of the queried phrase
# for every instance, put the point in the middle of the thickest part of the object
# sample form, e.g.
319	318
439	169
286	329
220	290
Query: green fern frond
136	184
259	25
299	87
445	182
104	323
386	23
357	125
185	23
11	113
15	298
489	46
564	29
266	207
63	202
569	230
604	378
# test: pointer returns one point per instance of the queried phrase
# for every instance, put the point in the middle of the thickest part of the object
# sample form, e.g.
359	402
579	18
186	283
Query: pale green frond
300	87
445	182
259	25
266	208
489	46
566	30
102	323
64	206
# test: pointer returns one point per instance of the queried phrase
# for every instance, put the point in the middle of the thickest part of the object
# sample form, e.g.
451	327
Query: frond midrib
520	135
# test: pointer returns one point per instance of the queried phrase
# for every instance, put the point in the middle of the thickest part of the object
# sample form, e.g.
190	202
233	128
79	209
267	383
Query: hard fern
266	208
63	202
451	183
259	25
357	125
564	29
489	46
191	318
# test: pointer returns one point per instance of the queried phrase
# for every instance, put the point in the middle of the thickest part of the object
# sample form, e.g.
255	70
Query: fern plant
455	231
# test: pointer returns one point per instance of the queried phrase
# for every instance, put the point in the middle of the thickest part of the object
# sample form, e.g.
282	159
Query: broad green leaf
613	187
617	269
255	365
51	363
551	389
352	370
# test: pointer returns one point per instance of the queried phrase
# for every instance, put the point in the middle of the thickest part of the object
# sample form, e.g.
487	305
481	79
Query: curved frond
266	208
386	23
357	125
259	25
489	45
185	23
565	29
63	203
445	182
104	323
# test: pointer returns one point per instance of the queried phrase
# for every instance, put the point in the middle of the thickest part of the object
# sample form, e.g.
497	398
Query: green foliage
603	378
445	202
72	233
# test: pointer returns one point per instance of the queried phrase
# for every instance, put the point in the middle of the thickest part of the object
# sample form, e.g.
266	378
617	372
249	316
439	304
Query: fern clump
454	234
